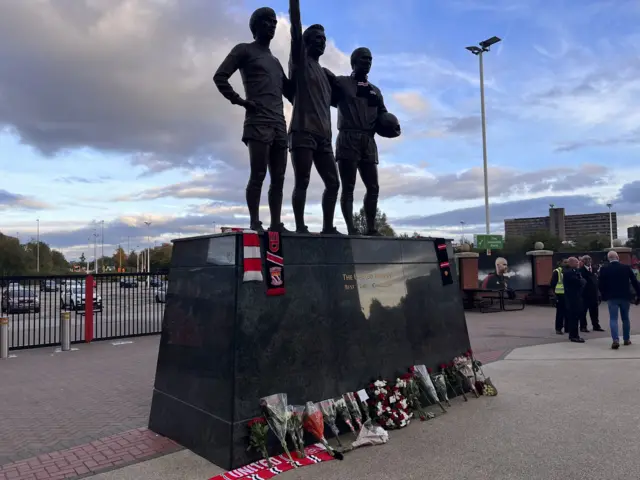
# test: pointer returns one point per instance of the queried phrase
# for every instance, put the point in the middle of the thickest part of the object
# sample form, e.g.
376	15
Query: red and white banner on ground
260	470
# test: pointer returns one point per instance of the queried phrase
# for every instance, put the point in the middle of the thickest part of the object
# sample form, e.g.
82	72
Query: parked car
156	282
161	294
19	300
73	297
128	283
49	286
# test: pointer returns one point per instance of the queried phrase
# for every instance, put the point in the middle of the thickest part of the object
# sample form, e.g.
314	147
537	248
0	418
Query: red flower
451	365
429	370
412	369
443	366
253	421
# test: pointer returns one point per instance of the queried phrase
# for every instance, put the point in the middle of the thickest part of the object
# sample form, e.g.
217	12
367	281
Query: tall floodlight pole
479	51
610	224
102	247
95	250
37	245
148	224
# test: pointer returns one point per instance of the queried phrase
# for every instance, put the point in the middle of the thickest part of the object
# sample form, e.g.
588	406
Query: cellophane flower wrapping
313	422
410	389
489	389
277	415
452	378
371	434
343	412
423	376
354	408
440	384
330	414
295	429
465	369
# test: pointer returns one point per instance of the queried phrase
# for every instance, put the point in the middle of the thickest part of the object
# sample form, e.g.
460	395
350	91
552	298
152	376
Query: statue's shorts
317	143
274	135
357	146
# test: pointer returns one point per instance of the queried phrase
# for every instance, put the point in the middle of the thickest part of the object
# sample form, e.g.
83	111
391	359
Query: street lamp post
479	51
148	224
38	245
95	250
610	224
102	248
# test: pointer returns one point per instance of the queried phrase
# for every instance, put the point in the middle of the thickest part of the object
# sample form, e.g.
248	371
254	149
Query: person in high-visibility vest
557	287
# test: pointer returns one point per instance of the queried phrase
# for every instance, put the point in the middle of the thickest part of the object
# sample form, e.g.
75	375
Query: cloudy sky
108	113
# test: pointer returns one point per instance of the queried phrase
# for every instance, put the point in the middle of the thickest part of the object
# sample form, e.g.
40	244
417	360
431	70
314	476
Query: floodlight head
488	42
473	49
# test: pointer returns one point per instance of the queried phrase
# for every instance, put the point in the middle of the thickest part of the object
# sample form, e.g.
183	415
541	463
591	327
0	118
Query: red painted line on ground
104	454
490	356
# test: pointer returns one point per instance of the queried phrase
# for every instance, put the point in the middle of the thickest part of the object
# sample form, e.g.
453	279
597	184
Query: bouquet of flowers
484	385
328	409
409	387
277	415
389	407
422	374
313	423
343	413
296	432
452	379
441	387
465	370
258	431
354	408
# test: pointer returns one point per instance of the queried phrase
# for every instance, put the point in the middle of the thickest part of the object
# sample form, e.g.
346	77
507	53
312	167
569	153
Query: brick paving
104	454
55	401
71	414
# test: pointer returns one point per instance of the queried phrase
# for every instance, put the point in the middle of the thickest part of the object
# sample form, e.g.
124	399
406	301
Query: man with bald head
573	288
615	282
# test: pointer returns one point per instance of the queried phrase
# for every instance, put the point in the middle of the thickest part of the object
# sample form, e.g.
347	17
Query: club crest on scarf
274	264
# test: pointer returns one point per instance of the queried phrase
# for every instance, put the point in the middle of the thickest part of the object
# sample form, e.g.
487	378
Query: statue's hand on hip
250	106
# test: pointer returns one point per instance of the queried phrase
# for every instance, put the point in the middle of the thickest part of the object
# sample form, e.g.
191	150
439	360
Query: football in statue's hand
388	126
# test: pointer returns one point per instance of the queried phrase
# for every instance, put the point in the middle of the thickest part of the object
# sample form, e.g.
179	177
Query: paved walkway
564	412
91	405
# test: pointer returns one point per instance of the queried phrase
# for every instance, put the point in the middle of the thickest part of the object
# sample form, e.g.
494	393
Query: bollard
4	337
65	331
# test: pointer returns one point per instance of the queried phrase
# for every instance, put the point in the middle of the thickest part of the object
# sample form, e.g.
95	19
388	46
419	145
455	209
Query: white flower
380	383
403	404
401	383
392	399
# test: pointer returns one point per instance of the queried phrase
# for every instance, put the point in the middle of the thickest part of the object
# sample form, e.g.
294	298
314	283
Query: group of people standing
578	288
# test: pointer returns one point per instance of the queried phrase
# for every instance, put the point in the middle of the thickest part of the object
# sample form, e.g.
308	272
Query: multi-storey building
565	227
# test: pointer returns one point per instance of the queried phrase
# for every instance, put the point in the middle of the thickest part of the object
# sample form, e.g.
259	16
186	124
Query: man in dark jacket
615	289
573	287
589	296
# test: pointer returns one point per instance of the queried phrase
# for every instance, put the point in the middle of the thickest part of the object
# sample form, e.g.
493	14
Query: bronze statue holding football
361	115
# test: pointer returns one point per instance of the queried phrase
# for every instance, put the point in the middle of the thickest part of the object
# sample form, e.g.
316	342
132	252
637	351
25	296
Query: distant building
565	227
631	231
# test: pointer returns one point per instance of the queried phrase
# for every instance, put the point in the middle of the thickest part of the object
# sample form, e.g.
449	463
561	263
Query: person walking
614	283
573	287
557	287
589	297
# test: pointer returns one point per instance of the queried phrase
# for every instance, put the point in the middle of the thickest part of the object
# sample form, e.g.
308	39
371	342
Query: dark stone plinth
354	308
